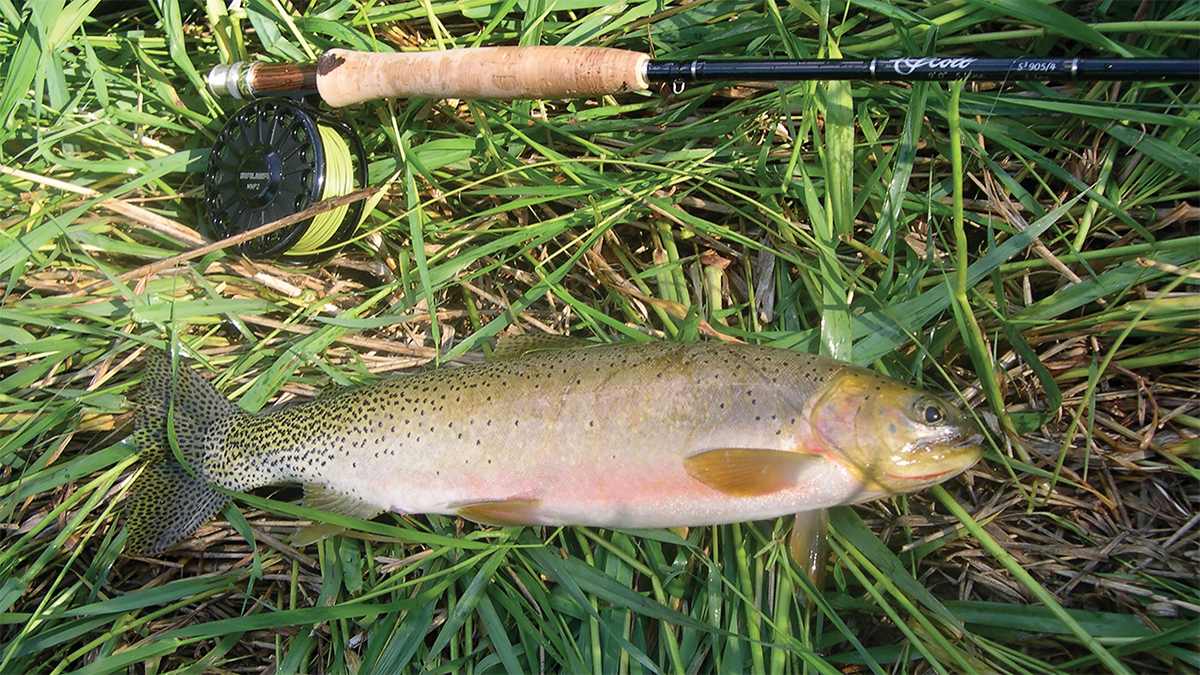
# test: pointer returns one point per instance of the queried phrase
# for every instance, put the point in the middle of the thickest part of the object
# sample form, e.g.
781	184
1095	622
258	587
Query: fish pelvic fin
503	512
170	499
809	545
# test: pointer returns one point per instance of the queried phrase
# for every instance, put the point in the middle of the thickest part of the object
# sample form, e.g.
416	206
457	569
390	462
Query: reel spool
277	157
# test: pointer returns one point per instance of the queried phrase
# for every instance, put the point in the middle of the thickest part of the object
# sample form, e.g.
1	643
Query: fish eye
929	412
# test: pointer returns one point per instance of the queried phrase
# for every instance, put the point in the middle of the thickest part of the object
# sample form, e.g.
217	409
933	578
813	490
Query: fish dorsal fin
516	346
502	512
334	389
750	472
327	499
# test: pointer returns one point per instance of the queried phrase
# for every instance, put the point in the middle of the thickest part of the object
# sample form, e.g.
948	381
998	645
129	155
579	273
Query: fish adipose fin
747	472
169	500
502	513
327	499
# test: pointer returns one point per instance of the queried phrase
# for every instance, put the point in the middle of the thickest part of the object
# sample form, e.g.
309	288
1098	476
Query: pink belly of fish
565	464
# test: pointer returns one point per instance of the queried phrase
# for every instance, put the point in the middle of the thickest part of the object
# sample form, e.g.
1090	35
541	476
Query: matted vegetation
1057	297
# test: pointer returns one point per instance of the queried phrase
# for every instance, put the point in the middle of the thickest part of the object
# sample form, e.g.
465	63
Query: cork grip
347	77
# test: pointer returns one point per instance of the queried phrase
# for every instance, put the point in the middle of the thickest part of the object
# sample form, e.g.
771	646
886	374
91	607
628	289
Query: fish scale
633	436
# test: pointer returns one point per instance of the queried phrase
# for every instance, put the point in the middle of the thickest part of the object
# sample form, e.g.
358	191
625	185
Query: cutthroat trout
626	436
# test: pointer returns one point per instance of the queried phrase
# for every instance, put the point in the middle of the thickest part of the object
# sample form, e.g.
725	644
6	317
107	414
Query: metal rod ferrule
230	80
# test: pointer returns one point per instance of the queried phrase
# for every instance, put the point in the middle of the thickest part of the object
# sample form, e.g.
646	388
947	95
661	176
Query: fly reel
277	157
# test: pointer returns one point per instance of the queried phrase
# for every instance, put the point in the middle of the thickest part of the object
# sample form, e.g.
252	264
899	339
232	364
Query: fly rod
343	77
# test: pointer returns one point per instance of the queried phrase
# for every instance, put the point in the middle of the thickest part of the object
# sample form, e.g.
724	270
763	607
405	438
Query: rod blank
345	77
927	68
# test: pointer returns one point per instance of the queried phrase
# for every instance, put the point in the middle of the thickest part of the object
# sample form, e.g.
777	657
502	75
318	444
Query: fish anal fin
335	501
502	512
325	498
749	472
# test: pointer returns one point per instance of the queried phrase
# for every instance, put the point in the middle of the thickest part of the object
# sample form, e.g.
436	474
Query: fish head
894	437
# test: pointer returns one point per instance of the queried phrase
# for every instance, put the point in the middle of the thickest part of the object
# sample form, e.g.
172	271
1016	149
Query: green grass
1042	237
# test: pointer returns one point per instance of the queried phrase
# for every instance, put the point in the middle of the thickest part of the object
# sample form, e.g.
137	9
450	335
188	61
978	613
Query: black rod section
926	68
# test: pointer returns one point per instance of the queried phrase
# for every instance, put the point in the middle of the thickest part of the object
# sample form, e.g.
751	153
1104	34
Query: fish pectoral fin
749	472
502	512
327	499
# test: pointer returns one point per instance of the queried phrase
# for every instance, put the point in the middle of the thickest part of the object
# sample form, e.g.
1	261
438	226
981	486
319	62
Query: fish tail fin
170	500
167	504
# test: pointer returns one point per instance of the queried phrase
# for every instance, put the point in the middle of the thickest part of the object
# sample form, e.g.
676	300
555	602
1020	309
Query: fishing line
338	181
276	157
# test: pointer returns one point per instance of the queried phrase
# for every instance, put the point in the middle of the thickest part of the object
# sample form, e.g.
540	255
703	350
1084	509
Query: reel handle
344	77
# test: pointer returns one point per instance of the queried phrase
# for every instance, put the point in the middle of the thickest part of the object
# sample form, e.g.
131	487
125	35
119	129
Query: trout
641	435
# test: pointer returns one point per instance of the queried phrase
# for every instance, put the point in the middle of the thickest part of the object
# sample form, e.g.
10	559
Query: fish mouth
973	439
955	454
968	448
965	437
922	478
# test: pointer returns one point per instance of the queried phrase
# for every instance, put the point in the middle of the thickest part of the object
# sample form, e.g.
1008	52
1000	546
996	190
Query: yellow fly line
339	181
